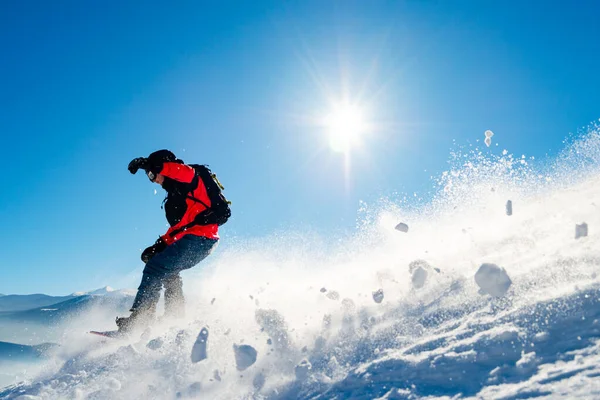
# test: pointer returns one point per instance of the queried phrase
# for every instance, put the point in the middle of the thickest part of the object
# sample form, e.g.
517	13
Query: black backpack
219	210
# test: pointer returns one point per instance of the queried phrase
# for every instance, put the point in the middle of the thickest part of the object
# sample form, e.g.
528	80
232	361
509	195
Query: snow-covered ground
469	302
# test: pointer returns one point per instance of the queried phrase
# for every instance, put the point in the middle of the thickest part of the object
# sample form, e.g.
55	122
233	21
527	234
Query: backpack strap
199	219
189	196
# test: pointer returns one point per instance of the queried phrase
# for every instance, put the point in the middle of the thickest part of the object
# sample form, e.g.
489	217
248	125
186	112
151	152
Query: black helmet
158	158
162	156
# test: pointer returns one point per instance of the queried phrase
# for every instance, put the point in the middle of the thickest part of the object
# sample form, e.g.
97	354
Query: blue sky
87	86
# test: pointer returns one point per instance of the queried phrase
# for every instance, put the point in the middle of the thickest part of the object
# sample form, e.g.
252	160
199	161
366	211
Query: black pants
163	270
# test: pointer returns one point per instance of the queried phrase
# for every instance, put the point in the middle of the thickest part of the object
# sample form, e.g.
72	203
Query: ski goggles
151	176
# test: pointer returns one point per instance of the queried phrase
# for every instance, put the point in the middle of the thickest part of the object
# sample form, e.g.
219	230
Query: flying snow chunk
302	369
155	344
509	209
192	391
259	381
418	269
581	230
333	295
492	280
419	277
402	227
488	137
113	384
274	325
348	305
245	356
199	348
541	336
378	296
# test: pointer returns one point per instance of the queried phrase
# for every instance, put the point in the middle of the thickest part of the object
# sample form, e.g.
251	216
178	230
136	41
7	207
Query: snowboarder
194	207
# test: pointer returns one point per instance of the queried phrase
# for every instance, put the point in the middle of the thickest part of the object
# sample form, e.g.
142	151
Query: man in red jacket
190	238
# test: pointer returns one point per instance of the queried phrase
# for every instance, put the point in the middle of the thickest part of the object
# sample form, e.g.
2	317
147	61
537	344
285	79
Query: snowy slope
24	334
387	314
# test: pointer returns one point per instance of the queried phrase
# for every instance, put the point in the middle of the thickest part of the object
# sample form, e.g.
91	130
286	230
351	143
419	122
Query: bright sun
345	126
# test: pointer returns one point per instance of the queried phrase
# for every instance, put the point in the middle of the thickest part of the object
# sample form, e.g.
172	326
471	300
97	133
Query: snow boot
139	320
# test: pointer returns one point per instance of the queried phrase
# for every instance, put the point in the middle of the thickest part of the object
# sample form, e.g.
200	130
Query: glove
137	163
153	250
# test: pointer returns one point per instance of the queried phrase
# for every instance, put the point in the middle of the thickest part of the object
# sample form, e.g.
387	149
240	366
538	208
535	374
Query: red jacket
185	173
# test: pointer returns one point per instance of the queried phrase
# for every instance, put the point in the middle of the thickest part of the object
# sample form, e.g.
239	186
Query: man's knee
154	269
150	283
173	283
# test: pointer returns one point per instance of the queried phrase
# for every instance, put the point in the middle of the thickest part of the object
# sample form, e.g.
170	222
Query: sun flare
345	126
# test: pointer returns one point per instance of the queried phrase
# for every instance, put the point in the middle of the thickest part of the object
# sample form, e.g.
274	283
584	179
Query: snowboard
109	334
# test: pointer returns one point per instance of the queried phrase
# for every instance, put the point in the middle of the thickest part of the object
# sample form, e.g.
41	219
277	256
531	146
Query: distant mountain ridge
56	313
22	352
54	310
30	319
106	291
22	302
102	291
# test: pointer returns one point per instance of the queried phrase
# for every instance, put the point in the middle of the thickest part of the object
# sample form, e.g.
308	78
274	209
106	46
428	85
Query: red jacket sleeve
178	172
185	173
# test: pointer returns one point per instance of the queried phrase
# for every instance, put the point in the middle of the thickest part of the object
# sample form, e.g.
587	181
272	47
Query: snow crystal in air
488	137
492	280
